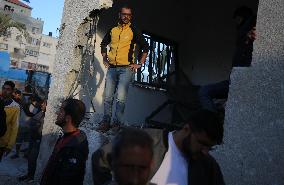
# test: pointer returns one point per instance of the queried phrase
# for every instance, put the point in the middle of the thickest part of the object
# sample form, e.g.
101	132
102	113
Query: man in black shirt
66	165
35	125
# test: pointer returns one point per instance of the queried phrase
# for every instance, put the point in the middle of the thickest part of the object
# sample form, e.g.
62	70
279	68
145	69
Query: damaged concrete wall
65	65
254	128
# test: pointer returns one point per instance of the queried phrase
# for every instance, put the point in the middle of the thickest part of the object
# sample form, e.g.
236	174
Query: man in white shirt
180	157
174	166
192	142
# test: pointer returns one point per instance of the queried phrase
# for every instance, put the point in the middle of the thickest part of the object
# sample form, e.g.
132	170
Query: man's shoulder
135	28
13	104
207	162
12	108
80	138
209	158
75	146
115	26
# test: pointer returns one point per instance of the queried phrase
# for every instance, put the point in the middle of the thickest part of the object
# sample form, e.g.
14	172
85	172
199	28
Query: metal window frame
157	78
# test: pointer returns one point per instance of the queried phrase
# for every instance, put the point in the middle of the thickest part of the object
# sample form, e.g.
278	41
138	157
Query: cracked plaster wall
253	148
66	60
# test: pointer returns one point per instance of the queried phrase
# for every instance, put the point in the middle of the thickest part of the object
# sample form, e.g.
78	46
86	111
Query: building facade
37	51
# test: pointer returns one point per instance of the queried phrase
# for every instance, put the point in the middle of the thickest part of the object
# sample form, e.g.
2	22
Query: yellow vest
121	39
12	122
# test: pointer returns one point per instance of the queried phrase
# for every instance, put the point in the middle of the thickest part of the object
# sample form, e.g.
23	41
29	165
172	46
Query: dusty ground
9	180
11	169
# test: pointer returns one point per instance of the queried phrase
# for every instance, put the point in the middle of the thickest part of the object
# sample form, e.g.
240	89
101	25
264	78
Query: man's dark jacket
36	125
244	45
3	126
66	166
202	171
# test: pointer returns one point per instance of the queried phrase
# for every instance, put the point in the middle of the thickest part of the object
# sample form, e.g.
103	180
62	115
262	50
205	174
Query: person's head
203	130
125	14
43	104
17	94
35	100
71	112
242	13
8	89
132	155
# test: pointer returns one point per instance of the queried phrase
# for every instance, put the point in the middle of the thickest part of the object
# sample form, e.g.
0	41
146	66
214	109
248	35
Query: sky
50	11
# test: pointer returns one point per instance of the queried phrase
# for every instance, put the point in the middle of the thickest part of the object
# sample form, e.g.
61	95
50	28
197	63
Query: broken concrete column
66	64
254	128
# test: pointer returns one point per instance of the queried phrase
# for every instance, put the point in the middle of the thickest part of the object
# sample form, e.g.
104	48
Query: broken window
7	8
159	63
35	30
45	44
33	41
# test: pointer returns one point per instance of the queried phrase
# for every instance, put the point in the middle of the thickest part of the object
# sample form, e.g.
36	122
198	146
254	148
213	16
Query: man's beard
189	154
124	21
60	123
6	96
186	147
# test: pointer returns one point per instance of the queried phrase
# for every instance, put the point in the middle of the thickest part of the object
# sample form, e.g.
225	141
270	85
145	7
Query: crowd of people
23	124
134	156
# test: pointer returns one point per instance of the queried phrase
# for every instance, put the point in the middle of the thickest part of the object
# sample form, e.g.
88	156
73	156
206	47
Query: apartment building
37	51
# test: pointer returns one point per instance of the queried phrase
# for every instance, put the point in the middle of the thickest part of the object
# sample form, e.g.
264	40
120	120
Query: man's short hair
18	92
244	12
126	6
11	84
131	137
209	122
76	109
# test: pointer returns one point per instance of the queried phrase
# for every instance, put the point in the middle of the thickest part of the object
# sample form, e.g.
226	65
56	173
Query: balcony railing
161	61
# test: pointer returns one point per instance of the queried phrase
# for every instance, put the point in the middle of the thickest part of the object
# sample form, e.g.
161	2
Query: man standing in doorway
121	65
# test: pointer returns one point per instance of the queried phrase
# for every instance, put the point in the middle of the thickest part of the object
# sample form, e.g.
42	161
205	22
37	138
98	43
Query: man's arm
143	58
141	41
106	40
217	174
101	168
105	60
26	110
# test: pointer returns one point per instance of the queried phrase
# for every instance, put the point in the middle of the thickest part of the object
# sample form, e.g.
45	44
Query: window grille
161	61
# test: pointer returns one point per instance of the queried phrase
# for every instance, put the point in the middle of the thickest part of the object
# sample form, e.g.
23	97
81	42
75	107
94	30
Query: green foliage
6	22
